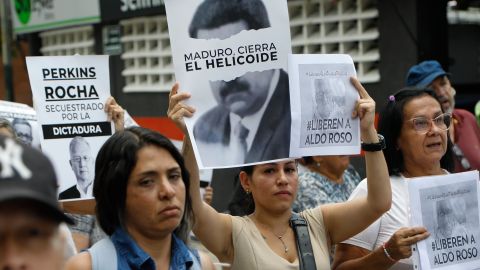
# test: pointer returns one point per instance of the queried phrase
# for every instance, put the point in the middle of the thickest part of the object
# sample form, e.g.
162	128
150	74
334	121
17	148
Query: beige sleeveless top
252	252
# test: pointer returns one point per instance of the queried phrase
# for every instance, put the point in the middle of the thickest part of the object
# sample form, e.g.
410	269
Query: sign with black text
232	57
323	99
448	206
69	93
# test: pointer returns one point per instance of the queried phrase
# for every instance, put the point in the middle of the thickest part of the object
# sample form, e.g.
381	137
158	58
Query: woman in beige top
264	239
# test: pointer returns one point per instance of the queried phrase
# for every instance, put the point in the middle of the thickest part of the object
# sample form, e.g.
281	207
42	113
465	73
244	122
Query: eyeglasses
422	124
84	158
24	135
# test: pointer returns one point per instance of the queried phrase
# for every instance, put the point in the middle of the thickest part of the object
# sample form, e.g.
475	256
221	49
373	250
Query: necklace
280	237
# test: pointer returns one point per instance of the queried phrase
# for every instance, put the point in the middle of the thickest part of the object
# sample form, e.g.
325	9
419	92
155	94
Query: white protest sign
69	94
23	119
323	100
448	206
232	57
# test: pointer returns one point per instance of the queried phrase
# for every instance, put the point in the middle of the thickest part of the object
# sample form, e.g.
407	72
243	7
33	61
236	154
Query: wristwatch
373	147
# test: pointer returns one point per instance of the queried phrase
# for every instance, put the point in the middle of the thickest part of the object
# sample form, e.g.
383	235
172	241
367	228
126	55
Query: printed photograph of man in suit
82	163
251	121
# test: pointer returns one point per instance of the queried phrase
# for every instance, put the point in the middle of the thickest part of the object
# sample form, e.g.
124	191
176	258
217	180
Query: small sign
69	93
111	39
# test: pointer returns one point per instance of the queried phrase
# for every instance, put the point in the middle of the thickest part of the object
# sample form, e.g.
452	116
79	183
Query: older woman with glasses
418	144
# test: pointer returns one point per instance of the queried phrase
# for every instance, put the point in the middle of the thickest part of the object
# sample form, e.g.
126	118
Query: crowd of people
148	200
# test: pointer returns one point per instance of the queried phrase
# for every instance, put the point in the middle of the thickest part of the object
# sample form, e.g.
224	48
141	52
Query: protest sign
232	57
322	101
448	207
23	120
69	94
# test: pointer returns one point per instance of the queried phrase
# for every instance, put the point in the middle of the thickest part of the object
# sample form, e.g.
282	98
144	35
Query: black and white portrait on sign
69	93
326	106
222	19
329	98
82	163
234	56
23	120
450	214
251	121
451	218
23	130
447	206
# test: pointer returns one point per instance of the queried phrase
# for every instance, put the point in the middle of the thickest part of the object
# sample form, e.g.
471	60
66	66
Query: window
343	26
146	54
69	41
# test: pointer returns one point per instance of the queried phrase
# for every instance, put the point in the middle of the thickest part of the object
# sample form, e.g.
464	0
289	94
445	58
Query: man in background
30	235
252	120
82	163
464	133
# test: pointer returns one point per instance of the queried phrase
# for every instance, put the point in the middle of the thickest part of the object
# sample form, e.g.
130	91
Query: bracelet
387	254
373	147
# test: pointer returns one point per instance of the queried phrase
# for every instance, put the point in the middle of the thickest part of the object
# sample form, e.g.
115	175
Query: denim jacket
131	256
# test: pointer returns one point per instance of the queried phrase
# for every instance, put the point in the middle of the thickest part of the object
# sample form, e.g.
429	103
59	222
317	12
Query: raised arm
212	228
344	220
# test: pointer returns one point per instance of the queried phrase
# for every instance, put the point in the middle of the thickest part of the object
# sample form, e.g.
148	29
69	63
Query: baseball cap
26	173
424	73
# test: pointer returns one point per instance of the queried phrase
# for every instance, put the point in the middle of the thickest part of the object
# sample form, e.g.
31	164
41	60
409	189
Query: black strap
306	260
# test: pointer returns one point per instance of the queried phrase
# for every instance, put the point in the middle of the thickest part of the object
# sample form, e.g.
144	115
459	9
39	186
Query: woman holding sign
140	187
416	132
265	238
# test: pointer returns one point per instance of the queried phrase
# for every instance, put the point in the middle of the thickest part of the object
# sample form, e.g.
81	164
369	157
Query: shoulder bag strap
306	260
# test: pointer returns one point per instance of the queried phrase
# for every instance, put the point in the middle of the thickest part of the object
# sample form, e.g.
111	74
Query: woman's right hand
177	110
399	245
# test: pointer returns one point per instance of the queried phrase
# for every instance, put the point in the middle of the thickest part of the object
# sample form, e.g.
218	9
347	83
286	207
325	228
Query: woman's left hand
365	111
115	113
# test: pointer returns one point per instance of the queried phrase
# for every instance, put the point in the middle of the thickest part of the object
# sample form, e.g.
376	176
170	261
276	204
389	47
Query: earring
247	191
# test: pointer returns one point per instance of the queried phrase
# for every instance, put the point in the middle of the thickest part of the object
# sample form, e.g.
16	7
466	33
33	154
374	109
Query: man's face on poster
323	101
81	161
244	95
24	133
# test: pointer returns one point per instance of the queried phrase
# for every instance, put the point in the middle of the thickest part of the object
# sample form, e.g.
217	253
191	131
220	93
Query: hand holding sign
365	111
71	96
115	113
177	109
399	245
